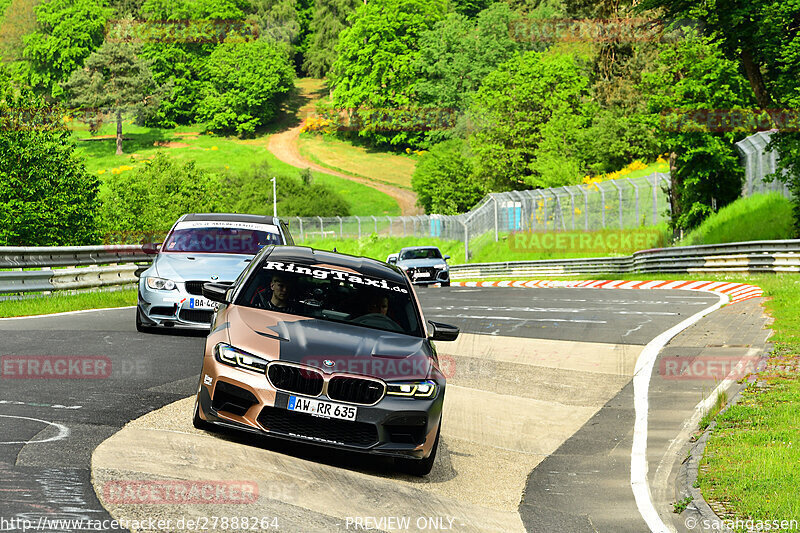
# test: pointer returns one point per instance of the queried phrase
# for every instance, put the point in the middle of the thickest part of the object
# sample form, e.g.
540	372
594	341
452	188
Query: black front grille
355	390
164	311
195	287
328	430
295	379
196	315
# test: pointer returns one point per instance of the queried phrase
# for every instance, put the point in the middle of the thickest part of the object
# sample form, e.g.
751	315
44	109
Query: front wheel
140	327
419	467
445	284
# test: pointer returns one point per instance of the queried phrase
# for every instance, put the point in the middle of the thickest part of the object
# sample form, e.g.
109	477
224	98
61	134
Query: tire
419	467
198	422
141	328
445	284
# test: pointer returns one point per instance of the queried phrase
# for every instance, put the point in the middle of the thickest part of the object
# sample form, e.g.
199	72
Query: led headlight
225	353
160	284
404	267
440	266
412	389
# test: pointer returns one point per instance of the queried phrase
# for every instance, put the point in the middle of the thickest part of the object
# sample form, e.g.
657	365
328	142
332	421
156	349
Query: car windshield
221	238
334	295
421	253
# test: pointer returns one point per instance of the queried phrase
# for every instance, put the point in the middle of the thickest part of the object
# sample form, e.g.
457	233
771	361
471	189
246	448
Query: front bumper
435	275
398	427
172	309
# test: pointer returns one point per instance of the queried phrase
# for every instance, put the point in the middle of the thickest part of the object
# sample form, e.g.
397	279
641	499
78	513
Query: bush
148	200
246	84
444	182
251	192
46	196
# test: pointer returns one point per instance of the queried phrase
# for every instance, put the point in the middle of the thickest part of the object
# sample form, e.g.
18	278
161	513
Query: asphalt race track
535	372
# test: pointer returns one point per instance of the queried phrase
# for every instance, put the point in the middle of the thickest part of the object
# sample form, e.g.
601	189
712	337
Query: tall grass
755	218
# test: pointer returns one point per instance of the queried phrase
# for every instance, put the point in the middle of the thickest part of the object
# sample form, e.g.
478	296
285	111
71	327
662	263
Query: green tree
245	86
374	71
115	80
46	196
690	78
528	117
179	63
68	31
330	18
444	181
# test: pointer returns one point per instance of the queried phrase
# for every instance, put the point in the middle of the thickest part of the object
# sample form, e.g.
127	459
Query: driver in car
379	304
280	299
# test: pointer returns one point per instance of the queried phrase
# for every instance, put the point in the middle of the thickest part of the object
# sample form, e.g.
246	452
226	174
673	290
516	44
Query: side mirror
217	292
442	332
151	248
392	259
447	258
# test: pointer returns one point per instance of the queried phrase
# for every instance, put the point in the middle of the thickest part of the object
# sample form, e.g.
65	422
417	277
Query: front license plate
202	303
322	408
422	275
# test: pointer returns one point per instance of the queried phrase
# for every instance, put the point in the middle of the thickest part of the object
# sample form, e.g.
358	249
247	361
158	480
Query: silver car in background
200	247
423	264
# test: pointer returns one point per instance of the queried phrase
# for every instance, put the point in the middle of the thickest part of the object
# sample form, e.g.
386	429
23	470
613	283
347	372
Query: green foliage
756	218
251	192
691	75
457	54
46	196
150	198
246	84
68	31
180	65
375	72
528	117
444	182
330	18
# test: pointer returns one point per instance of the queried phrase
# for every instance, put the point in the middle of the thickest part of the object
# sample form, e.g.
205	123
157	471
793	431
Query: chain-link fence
758	163
622	203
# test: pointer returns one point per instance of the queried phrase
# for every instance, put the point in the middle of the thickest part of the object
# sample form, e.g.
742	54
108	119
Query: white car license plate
202	303
322	408
422	275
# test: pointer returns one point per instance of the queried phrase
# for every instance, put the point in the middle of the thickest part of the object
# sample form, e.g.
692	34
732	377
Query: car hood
415	263
187	266
344	347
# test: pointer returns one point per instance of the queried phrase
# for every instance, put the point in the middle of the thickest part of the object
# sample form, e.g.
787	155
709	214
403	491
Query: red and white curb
736	292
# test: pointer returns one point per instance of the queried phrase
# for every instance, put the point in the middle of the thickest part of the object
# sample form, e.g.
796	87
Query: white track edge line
68	313
641	389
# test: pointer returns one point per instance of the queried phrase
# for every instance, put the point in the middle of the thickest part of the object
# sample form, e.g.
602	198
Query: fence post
571	205
376	223
496	235
558	211
404	227
359	227
619	207
321	228
655	198
300	220
341	227
390	225
636	192
602	203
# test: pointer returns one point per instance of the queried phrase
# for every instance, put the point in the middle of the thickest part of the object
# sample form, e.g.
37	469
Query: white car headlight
412	389
225	353
440	266
160	284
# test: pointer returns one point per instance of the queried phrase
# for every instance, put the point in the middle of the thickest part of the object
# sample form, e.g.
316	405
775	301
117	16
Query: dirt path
284	146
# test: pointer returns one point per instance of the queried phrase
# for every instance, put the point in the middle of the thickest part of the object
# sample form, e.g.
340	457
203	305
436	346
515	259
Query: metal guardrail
100	266
103	266
755	256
